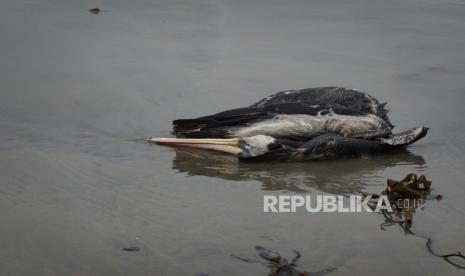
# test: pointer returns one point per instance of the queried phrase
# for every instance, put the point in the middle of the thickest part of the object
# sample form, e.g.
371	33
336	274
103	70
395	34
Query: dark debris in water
280	266
404	197
450	258
131	249
95	11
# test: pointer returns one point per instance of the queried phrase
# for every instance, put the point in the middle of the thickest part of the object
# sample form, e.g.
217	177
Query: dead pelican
307	124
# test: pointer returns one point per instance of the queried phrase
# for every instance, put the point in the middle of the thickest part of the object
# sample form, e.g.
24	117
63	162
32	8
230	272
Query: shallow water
76	89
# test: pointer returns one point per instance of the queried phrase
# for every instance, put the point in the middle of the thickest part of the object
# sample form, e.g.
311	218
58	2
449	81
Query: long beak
223	145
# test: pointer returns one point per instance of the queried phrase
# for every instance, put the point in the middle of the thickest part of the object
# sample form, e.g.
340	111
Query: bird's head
255	145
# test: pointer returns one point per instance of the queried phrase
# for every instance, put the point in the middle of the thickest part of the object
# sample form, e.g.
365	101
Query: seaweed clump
280	266
405	196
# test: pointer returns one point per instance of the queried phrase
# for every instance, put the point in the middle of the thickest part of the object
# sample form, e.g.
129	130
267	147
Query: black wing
348	98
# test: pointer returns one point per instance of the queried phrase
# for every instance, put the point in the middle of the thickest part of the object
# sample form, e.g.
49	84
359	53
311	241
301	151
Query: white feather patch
300	125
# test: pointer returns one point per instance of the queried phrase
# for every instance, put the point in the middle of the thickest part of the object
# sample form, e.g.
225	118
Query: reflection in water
335	176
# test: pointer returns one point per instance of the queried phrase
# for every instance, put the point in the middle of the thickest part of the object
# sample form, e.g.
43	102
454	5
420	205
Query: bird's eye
243	144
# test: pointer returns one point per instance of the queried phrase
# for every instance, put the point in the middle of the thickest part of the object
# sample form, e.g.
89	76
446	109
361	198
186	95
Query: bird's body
307	124
304	127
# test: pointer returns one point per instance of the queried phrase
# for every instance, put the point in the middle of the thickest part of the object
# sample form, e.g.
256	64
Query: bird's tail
405	138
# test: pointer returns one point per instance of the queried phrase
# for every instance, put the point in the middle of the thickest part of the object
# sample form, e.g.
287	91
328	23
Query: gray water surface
77	88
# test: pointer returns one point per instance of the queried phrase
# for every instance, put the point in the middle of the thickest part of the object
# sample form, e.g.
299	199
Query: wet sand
77	88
